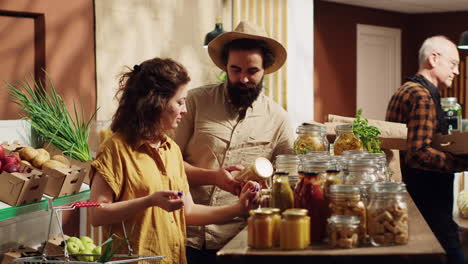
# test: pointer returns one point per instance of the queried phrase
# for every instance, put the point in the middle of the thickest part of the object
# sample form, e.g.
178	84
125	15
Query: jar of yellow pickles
260	227
282	193
345	139
295	227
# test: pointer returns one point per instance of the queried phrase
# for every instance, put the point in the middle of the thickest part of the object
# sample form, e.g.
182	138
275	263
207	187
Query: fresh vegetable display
369	135
46	111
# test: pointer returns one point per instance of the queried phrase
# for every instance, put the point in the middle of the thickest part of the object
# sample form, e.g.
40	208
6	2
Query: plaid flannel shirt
413	105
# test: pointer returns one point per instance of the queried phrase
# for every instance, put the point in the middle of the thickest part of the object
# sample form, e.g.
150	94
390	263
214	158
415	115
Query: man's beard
243	95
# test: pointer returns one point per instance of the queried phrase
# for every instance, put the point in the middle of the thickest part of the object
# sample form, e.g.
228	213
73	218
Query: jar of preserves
260	228
342	231
310	137
294	233
346	200
282	194
387	214
288	163
309	194
345	139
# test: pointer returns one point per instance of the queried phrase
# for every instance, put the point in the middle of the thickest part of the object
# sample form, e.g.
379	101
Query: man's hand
225	181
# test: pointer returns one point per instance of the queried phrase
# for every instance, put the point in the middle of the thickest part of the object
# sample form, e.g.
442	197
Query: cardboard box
12	254
456	143
21	188
84	165
63	181
54	247
12	147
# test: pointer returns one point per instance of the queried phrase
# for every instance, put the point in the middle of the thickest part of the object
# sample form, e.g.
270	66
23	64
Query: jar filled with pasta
310	137
387	214
345	139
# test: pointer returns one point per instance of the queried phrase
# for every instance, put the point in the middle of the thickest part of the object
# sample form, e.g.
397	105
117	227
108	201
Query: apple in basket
76	241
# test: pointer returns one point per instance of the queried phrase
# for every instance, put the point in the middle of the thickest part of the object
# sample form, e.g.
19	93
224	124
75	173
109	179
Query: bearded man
228	125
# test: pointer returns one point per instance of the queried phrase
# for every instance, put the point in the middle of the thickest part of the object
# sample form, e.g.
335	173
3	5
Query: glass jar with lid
310	137
361	171
309	194
260	228
281	192
288	163
347	200
387	214
265	198
382	170
343	232
294	230
452	113
345	139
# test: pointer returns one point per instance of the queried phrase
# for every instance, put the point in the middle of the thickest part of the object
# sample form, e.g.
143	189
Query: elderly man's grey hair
433	44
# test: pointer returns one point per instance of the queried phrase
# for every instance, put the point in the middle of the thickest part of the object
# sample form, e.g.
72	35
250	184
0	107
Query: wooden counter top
422	247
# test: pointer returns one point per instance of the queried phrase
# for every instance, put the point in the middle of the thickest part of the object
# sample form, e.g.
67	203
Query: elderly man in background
427	172
231	124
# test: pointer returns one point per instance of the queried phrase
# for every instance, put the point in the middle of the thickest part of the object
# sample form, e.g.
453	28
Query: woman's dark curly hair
143	95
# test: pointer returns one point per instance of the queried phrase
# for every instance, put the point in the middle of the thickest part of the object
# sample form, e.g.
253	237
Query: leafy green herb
48	114
368	134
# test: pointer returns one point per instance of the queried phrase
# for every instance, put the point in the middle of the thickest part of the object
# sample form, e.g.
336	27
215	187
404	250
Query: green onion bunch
49	116
369	135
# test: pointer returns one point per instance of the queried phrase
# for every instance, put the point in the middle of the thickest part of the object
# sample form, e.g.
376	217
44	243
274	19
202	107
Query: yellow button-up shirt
212	136
136	172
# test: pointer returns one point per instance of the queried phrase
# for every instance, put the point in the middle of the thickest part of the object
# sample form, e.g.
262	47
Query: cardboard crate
456	143
85	165
20	188
12	254
63	181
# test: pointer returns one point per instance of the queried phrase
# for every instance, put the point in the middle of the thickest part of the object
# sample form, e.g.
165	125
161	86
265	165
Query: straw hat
246	30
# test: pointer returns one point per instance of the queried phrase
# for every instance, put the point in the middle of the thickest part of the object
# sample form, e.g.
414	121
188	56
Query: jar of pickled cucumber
288	163
281	192
345	139
310	137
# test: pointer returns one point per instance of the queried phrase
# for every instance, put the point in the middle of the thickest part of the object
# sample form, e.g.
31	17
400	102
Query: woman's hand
249	194
167	200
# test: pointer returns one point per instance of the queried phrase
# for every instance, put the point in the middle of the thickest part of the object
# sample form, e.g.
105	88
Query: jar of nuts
346	200
343	231
387	214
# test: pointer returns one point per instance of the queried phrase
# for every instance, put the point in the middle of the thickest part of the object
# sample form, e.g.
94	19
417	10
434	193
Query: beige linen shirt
212	136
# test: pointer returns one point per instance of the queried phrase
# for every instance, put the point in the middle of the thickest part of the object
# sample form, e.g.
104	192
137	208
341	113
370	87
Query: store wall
131	31
54	35
335	48
335	53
